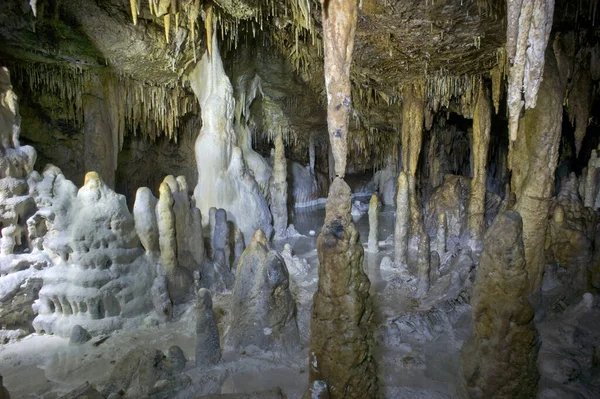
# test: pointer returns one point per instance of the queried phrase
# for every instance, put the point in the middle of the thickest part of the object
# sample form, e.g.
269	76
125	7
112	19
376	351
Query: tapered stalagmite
208	347
166	228
339	25
590	180
278	188
341	341
402	221
500	360
533	158
482	120
373	243
144	216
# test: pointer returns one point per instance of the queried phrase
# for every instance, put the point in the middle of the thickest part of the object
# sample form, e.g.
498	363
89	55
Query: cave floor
417	347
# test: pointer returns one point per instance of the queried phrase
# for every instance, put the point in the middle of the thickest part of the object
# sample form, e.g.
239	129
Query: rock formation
279	191
263	310
339	24
342	303
402	221
533	158
500	360
99	258
208	346
482	123
373	243
223	178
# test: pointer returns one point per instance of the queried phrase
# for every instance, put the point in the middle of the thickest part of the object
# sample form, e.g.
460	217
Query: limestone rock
263	310
570	236
341	340
500	360
146	372
208	346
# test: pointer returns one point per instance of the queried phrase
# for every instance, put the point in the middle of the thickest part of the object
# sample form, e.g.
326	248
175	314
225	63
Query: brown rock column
339	25
482	121
533	157
500	360
341	342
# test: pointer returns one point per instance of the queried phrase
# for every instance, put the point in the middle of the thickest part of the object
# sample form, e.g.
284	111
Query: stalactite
579	104
167	21
339	26
135	10
482	122
209	26
526	45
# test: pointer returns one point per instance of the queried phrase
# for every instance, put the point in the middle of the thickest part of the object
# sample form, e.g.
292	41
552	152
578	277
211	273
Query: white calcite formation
279	190
373	242
224	180
101	275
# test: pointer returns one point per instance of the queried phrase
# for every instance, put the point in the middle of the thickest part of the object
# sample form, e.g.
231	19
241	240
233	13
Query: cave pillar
339	26
590	180
279	190
532	158
373	243
402	221
413	106
341	341
482	120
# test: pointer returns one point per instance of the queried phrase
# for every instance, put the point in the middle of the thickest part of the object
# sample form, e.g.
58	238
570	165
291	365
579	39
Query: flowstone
500	360
101	276
342	304
263	310
224	180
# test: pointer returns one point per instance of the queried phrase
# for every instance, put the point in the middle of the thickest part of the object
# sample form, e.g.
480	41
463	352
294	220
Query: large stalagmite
402	221
500	360
373	243
341	341
339	25
482	120
533	158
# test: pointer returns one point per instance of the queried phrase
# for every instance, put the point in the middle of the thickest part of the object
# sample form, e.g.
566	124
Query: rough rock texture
482	123
3	391
79	335
144	372
533	158
339	26
208	347
500	360
570	236
342	304
373	243
263	310
101	276
279	192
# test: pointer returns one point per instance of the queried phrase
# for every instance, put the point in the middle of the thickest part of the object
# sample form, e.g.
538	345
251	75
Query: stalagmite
339	25
533	158
263	310
278	188
500	360
402	221
590	180
145	219
341	341
166	228
441	234
311	153
373	243
482	120
208	346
